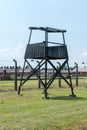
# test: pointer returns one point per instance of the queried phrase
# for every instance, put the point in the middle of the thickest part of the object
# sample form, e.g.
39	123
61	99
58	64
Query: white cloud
4	50
19	51
84	54
10	53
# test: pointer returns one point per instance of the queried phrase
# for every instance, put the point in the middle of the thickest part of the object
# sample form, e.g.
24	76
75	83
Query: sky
17	15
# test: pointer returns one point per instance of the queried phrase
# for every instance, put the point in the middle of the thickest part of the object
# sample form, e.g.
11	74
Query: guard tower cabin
45	52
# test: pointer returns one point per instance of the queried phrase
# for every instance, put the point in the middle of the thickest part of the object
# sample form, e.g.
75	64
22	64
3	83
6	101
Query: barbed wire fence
7	73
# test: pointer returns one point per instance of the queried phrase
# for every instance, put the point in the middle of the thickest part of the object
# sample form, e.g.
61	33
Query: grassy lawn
30	111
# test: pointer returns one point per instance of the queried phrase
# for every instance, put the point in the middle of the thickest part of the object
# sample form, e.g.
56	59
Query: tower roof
47	29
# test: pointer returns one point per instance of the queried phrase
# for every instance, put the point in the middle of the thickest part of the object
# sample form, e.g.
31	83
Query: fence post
39	84
15	79
76	74
59	76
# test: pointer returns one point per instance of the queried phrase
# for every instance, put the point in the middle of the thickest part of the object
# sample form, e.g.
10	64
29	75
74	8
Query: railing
40	51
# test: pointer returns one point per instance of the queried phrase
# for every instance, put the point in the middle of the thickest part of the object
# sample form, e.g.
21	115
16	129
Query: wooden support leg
72	91
45	93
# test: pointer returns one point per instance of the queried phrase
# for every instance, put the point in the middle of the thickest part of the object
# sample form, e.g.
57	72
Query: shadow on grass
68	98
22	89
6	90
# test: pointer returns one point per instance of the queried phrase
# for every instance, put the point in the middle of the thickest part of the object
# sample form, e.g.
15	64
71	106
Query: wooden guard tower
46	53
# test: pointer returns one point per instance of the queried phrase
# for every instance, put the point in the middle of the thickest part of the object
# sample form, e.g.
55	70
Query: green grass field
30	111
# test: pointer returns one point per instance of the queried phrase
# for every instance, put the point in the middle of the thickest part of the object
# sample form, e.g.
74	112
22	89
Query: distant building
81	71
5	74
